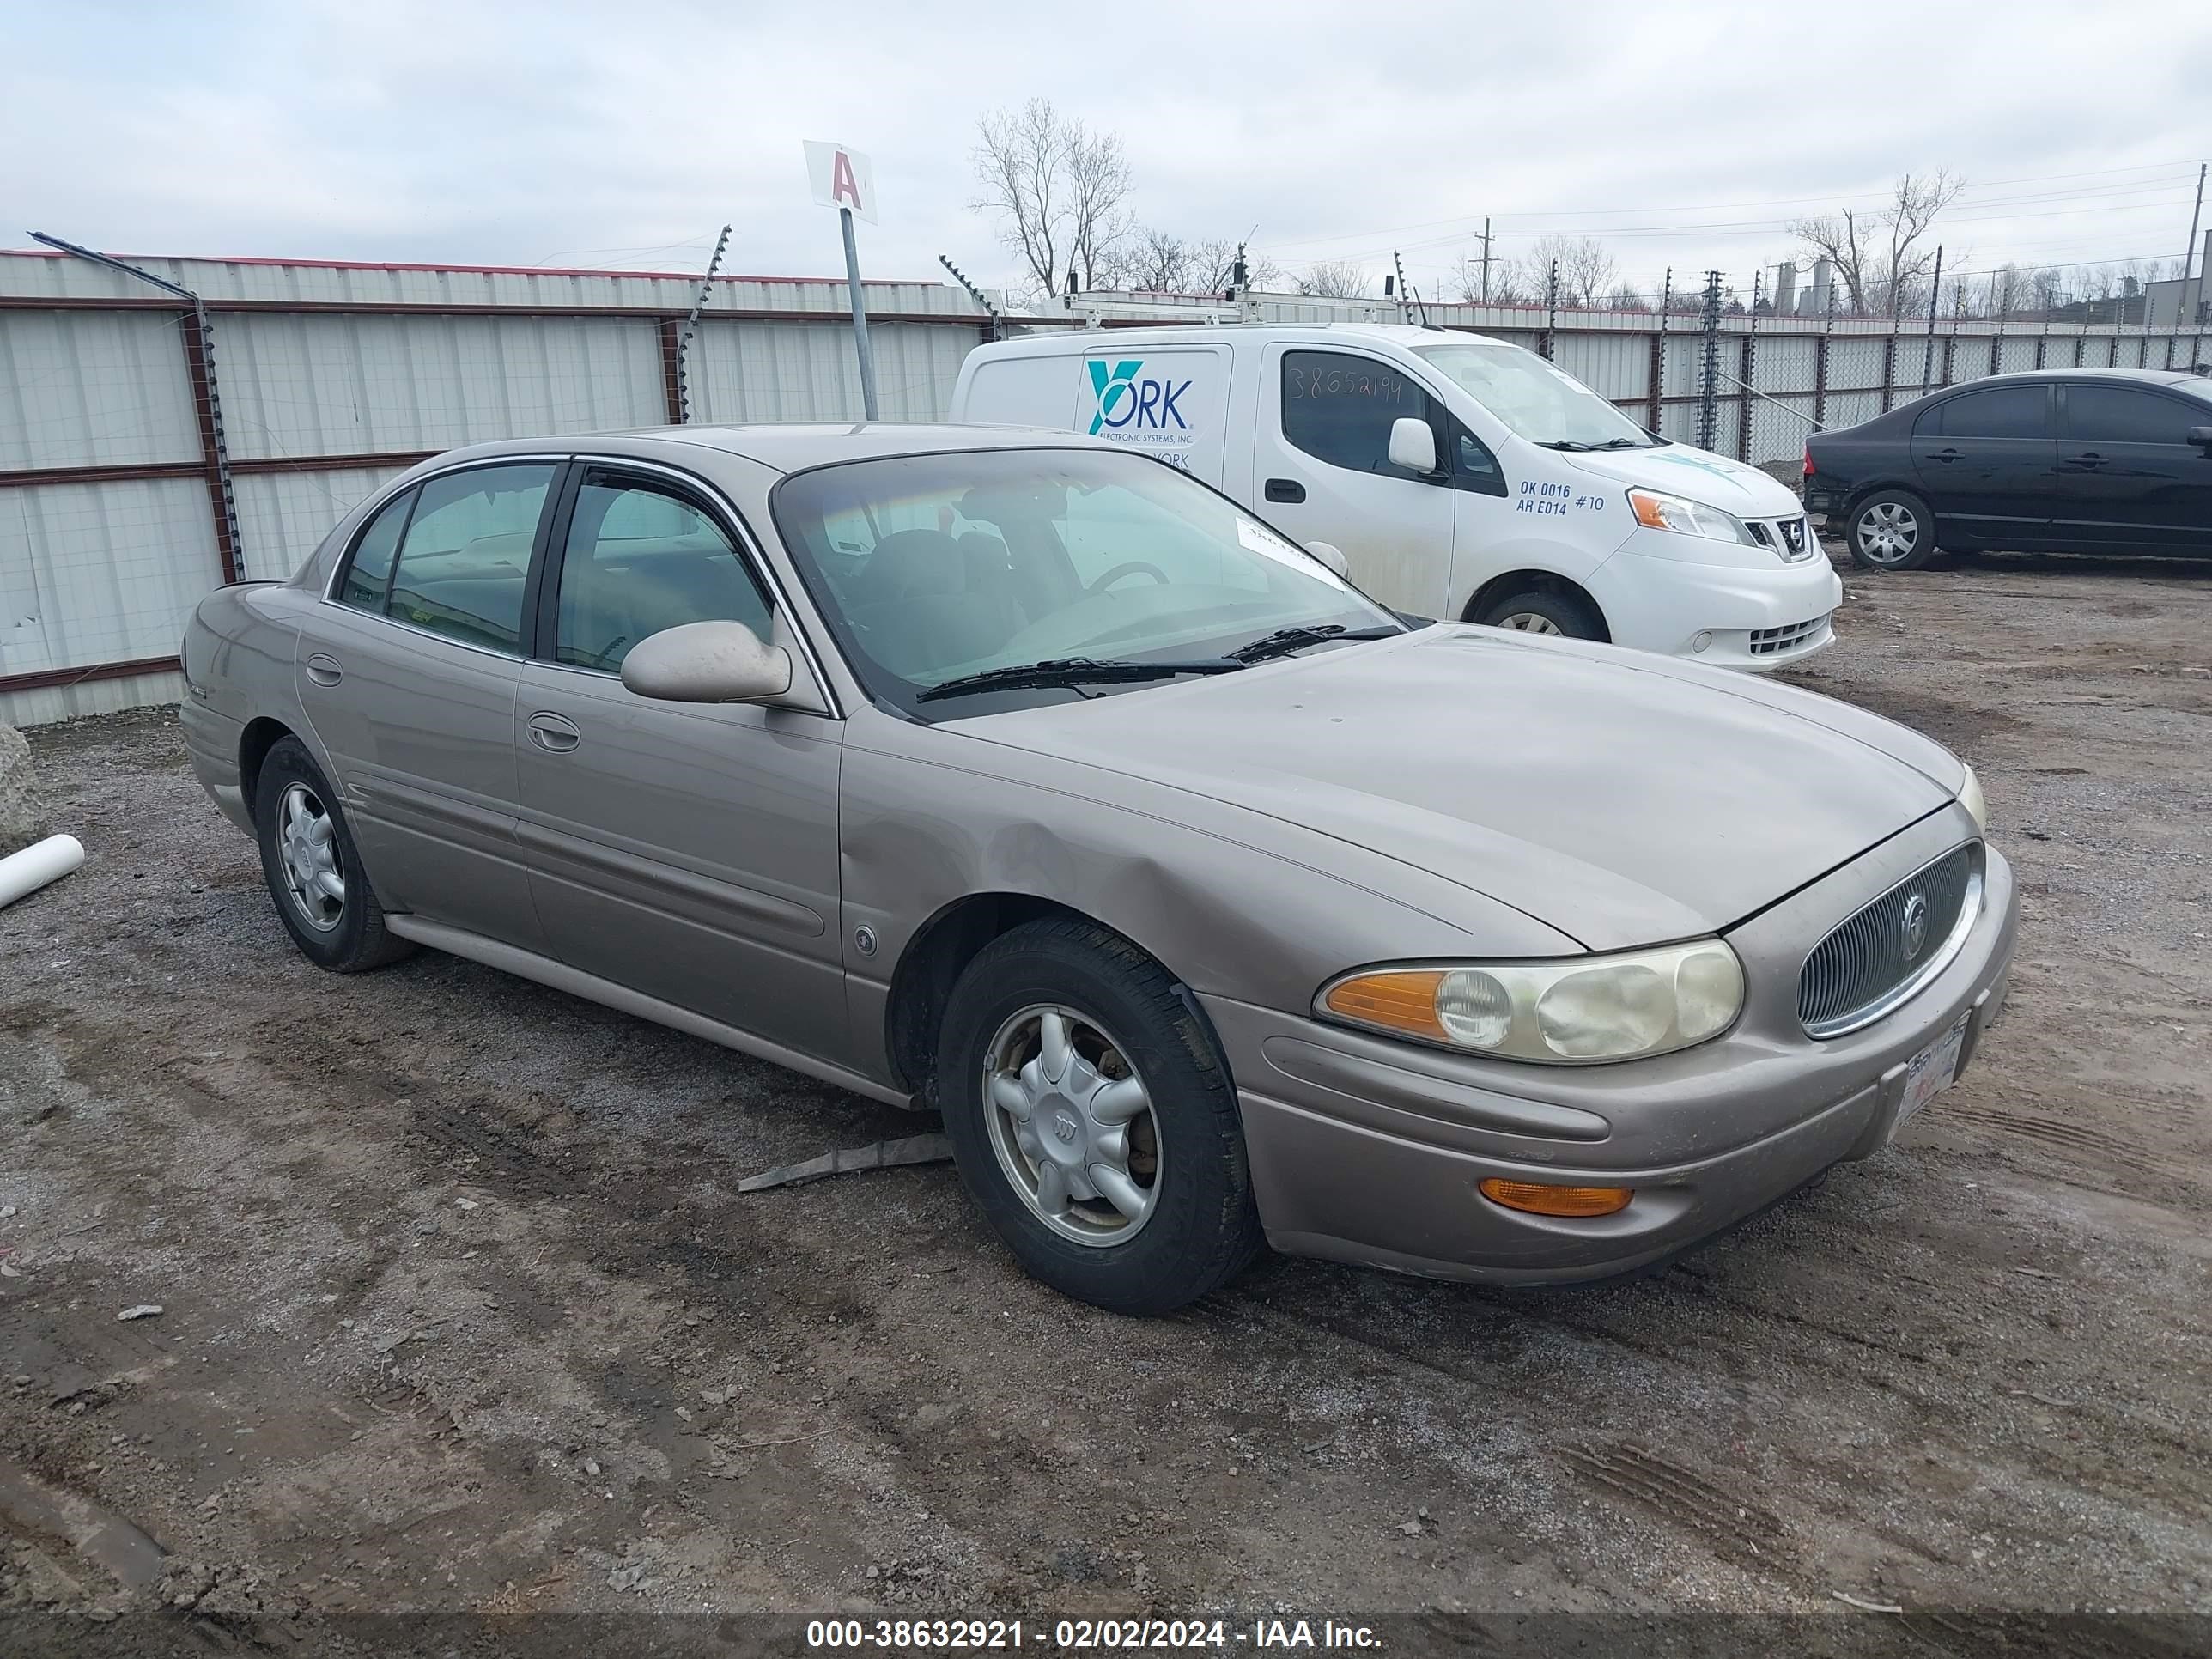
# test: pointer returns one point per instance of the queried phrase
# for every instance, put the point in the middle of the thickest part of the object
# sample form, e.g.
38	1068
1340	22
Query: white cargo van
1463	477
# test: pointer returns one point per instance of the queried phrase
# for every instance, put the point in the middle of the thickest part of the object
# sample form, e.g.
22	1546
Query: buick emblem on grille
1914	925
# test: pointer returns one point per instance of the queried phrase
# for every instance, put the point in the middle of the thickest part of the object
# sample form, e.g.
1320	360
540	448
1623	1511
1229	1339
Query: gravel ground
459	1309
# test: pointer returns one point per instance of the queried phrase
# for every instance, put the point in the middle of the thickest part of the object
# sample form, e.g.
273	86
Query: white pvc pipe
41	862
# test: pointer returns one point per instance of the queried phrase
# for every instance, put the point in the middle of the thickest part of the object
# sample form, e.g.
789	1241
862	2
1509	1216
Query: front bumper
1367	1149
1758	617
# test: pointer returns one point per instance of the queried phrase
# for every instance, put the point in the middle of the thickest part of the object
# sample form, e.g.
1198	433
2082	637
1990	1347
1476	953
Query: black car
2083	460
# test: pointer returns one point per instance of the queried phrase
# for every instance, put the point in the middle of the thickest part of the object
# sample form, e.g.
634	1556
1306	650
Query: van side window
1338	408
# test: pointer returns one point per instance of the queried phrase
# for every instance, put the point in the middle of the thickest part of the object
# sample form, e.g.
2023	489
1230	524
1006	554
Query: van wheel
1093	1121
1543	611
1893	530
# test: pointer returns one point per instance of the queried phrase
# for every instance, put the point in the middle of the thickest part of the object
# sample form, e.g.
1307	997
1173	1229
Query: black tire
1531	608
1891	530
1202	1227
355	939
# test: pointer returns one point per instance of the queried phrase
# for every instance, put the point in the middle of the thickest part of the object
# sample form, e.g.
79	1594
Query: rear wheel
1093	1121
1893	530
1543	611
315	874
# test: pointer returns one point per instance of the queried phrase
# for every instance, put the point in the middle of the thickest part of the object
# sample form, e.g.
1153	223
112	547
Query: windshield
1534	399
930	568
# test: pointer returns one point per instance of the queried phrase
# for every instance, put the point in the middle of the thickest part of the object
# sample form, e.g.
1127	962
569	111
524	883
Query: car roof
2139	376
788	447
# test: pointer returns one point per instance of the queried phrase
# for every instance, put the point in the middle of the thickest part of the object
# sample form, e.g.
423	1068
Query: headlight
1970	797
1573	1012
1656	512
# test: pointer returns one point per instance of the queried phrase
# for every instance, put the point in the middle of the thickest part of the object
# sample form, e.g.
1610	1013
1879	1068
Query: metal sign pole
859	316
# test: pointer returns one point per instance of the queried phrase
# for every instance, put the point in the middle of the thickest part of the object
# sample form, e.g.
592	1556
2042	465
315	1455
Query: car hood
1708	479
1621	798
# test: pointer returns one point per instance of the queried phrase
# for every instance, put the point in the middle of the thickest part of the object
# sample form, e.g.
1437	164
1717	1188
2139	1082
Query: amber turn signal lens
1539	1198
1404	1002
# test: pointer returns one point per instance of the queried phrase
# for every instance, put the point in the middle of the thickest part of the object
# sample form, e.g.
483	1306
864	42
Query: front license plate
1932	1070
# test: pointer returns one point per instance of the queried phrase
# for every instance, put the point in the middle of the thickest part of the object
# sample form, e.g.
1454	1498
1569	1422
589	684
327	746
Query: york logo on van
1127	402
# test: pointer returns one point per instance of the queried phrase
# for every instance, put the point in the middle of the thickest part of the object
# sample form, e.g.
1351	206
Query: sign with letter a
841	178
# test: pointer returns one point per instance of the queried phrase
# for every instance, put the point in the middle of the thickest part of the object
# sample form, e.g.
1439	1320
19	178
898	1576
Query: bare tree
1586	270
1157	261
1626	296
1056	188
1333	280
1881	257
1505	286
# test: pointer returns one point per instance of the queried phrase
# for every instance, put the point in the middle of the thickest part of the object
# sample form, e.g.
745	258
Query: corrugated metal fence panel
1854	362
283	516
94	389
99	696
806	371
1787	362
1850	408
322	385
100	573
1615	365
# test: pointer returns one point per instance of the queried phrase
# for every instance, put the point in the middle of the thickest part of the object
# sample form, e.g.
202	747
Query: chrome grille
1772	642
1882	956
1792	538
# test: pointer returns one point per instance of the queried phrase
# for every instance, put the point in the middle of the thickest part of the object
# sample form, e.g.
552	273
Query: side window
1339	407
2003	411
466	554
2115	414
1473	467
640	558
368	575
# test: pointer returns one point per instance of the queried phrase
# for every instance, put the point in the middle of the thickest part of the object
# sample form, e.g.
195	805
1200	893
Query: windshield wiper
1072	672
1564	443
1284	641
1626	443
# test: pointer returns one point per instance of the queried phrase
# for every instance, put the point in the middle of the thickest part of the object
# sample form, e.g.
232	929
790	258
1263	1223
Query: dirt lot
461	1309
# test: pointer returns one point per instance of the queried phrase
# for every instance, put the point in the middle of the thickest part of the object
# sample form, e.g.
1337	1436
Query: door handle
1947	455
323	669
553	733
2089	459
1285	489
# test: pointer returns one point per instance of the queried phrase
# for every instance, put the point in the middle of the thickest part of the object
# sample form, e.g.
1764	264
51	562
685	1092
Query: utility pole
1486	252
1927	352
2185	313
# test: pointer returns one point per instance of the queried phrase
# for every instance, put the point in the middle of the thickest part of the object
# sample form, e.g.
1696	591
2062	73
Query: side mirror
1330	555
1413	446
706	662
2202	437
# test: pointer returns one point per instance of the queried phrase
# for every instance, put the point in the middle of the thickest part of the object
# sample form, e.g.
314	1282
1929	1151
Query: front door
409	679
1323	463
685	850
2128	476
1985	461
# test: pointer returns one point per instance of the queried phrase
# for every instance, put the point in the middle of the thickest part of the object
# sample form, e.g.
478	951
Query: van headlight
1656	512
1578	1011
1970	797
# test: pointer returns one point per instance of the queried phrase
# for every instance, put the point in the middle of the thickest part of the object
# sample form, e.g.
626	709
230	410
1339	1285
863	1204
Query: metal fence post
1659	352
1709	374
1821	366
1750	379
207	403
1550	311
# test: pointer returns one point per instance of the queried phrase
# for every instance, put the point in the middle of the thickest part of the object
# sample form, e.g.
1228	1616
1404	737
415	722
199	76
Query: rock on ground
22	817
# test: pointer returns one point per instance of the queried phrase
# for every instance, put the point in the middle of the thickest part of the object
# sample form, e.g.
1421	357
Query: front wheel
1543	611
1092	1120
1893	530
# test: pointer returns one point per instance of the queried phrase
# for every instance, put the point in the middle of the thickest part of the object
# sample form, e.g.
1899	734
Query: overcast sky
1685	133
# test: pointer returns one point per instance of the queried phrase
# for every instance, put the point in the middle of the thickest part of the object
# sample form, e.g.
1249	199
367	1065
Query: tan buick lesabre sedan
1020	778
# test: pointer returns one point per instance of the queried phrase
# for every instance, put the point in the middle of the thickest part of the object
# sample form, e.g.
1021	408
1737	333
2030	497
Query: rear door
685	850
1322	453
1169	402
408	675
1986	459
2129	477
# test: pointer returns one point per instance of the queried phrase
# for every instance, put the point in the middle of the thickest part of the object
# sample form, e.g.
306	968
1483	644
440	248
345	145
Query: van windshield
1536	400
